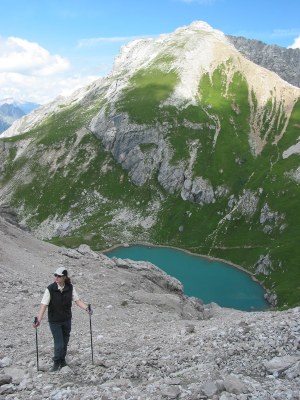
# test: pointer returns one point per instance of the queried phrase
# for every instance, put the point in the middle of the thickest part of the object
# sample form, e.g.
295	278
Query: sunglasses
58	276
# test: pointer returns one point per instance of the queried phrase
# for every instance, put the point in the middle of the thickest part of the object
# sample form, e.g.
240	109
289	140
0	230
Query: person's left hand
36	323
89	310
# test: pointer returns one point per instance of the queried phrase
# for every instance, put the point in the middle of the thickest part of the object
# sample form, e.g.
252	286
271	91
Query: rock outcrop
285	62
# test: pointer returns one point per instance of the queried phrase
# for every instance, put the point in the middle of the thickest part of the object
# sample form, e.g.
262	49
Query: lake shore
209	258
184	250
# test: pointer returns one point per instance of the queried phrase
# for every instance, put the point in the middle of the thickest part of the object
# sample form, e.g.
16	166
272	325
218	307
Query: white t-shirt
46	296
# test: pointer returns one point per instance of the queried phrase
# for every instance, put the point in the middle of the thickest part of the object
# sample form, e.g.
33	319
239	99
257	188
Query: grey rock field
150	341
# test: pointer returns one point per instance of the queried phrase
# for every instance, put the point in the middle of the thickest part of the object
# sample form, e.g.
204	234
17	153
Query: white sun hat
61	271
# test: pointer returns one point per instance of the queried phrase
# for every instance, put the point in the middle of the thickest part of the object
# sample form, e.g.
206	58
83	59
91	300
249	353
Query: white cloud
102	40
19	55
40	89
29	72
296	44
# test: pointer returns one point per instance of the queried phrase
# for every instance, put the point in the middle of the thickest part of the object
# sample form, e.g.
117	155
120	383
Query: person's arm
42	312
44	304
80	303
83	306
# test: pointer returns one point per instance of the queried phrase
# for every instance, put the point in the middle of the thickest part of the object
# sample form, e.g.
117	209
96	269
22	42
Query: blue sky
52	47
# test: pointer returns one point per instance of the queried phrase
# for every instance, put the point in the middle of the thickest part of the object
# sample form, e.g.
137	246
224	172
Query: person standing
58	298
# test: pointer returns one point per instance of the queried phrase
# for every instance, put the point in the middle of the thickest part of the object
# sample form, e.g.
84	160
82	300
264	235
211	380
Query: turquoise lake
209	280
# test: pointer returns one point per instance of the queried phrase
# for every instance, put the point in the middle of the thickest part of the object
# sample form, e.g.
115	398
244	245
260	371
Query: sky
53	47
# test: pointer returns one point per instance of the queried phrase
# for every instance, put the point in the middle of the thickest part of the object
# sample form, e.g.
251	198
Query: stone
210	389
17	374
199	191
263	265
227	396
234	385
5	379
280	364
5	362
7	389
293	372
190	328
171	392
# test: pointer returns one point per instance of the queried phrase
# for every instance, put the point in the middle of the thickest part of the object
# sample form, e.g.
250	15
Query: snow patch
295	149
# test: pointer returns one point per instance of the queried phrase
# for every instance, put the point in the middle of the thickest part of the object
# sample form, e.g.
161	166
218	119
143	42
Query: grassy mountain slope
230	133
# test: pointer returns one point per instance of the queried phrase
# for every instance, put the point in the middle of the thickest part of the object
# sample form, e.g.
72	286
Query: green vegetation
66	171
146	90
63	124
225	154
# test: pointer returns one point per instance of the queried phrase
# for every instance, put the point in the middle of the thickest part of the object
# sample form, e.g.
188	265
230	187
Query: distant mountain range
282	61
186	143
11	110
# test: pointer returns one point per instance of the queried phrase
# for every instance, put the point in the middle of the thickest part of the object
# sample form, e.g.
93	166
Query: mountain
186	143
8	114
285	62
11	110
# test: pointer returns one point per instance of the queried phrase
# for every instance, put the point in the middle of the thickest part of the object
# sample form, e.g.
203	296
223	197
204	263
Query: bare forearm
81	304
42	312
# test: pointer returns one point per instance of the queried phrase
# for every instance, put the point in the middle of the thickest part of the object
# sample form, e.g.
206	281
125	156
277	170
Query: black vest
59	308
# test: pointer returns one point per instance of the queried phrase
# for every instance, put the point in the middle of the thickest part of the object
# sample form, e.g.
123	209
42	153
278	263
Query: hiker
58	297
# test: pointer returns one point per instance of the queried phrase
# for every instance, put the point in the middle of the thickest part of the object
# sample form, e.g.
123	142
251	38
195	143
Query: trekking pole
36	344
89	308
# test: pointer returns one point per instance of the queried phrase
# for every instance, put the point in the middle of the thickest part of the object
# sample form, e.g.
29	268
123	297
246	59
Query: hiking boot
63	363
55	367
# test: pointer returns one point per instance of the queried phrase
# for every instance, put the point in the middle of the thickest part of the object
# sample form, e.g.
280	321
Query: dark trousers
61	335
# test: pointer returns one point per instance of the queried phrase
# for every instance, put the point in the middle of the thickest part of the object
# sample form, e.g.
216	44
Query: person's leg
66	329
57	333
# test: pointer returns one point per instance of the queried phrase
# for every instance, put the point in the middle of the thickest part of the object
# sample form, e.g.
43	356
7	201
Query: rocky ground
149	340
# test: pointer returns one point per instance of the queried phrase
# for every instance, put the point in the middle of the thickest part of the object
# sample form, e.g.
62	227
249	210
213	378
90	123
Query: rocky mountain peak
192	51
196	27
